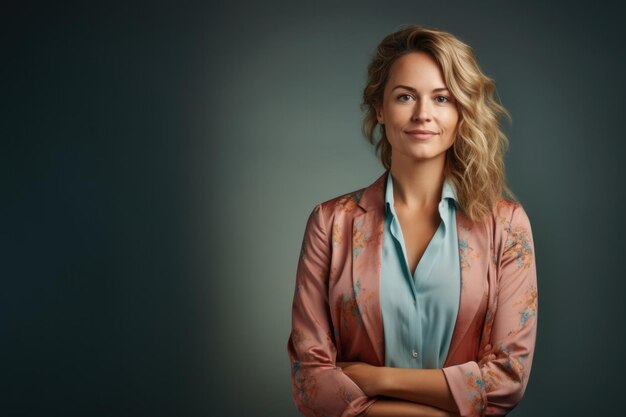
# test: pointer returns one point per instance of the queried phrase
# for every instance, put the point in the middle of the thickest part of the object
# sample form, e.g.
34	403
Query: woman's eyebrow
406	87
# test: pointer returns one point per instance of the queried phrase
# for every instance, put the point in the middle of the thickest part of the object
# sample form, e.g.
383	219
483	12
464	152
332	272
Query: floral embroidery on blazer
336	313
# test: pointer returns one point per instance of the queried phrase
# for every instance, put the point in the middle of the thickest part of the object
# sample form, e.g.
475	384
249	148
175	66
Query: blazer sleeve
494	387
319	387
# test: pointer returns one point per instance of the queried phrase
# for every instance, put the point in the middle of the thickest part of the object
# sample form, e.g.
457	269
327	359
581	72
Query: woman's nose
421	111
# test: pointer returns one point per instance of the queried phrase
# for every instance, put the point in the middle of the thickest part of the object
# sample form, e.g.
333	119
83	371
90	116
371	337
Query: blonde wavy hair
475	162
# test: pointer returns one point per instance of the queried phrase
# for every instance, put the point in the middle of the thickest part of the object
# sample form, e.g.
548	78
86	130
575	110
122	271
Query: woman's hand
366	376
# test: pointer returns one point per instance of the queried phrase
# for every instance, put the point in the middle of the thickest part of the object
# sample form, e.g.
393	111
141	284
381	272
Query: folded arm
391	407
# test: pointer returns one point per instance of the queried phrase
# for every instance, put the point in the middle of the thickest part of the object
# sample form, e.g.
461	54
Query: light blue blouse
419	311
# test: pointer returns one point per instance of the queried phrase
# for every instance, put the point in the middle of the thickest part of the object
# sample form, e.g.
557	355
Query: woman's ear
379	114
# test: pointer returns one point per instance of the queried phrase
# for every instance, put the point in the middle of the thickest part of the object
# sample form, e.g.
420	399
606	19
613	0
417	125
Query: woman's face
419	113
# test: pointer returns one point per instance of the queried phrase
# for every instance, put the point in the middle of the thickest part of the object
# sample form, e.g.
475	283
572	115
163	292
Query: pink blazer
336	312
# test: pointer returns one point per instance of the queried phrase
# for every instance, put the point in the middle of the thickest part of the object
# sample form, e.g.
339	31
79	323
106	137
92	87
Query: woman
417	295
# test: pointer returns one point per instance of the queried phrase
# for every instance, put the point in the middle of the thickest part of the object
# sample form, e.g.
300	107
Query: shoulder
509	212
507	219
346	203
353	203
513	233
324	217
333	210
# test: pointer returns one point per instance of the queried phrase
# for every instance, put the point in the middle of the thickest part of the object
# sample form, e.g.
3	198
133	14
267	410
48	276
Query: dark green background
158	162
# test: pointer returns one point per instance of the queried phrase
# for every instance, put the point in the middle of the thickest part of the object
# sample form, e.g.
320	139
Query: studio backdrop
159	161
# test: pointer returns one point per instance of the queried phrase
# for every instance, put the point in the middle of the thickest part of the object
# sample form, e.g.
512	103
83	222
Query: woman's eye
402	97
442	99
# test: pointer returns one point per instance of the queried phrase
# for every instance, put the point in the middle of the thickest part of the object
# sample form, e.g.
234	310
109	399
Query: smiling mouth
421	135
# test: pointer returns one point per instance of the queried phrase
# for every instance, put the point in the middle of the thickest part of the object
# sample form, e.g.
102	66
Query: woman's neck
417	185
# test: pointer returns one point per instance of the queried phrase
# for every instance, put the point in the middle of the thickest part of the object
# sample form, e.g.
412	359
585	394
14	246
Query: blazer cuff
359	407
467	387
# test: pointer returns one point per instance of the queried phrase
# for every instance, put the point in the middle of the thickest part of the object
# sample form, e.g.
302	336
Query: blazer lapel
473	248
367	240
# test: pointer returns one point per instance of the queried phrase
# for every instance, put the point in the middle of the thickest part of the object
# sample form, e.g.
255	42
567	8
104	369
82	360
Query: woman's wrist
380	380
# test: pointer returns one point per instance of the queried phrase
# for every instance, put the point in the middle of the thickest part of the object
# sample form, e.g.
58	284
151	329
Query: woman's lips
421	134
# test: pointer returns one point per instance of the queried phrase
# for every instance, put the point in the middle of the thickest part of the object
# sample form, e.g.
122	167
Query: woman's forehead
418	71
